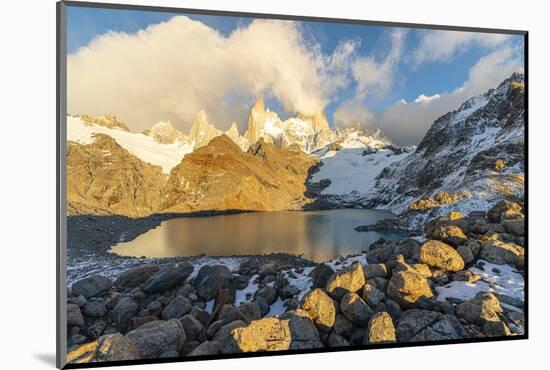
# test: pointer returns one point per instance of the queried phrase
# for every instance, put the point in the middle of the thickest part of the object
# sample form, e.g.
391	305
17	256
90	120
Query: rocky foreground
463	280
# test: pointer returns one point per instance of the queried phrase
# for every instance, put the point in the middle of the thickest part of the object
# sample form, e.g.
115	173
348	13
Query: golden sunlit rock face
269	334
220	176
104	178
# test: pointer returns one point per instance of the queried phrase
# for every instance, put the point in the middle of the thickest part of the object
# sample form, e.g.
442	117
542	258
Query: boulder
515	227
206	348
224	336
320	275
372	296
350	279
157	337
342	326
112	347
230	313
466	275
193	328
356	310
137	321
267	334
92	286
177	308
482	308
373	270
446	327
210	279
438	254
135	276
124	310
380	329
303	332
434	227
412	321
336	340
466	254
268	293
320	308
251	311
505	210
167	278
451	234
74	316
500	253
95	308
409	289
288	291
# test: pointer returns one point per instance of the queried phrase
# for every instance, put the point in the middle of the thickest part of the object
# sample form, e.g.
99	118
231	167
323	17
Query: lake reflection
318	235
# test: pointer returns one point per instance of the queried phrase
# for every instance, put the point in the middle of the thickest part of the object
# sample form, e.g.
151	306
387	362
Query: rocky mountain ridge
468	160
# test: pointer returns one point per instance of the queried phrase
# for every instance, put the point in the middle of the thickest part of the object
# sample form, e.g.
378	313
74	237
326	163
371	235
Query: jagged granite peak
220	176
233	133
318	121
477	149
264	123
108	120
202	131
164	132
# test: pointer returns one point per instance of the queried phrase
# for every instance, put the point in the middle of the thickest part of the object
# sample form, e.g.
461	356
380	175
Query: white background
27	185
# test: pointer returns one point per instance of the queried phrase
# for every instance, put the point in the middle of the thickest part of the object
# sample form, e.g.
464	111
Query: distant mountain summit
166	133
309	133
202	131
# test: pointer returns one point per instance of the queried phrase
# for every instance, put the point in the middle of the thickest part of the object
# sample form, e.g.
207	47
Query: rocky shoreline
463	278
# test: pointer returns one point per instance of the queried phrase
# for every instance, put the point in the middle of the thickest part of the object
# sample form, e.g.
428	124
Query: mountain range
469	159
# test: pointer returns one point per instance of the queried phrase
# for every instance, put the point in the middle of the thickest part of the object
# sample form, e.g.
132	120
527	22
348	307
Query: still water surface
318	235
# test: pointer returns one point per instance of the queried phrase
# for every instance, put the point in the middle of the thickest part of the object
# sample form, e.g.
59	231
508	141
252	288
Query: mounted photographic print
237	184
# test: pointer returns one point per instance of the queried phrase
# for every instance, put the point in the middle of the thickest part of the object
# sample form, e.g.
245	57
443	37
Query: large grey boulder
194	329
210	279
303	332
484	310
422	325
135	276
95	308
356	310
177	308
206	348
157	337
74	316
320	275
167	278
124	310
91	286
500	253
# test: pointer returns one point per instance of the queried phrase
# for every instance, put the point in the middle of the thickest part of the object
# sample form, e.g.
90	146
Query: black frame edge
61	220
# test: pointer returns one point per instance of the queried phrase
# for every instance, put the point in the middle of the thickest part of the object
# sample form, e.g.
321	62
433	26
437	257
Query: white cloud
172	70
426	99
442	45
406	124
373	79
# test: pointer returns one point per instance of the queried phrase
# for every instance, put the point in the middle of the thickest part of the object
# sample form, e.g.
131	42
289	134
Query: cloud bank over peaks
172	70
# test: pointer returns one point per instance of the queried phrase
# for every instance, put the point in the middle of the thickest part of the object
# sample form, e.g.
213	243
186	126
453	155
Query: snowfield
355	166
142	146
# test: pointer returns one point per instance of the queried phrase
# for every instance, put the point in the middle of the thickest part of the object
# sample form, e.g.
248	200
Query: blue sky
408	76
